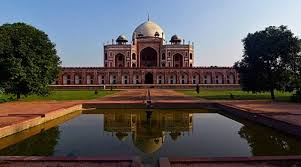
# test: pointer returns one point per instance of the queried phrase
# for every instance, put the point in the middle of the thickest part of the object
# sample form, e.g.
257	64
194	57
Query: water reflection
150	135
42	144
272	143
148	128
265	141
40	140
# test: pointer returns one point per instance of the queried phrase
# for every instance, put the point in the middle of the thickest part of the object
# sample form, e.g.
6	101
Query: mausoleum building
148	58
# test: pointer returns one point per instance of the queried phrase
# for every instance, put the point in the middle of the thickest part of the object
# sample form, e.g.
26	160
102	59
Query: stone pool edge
37	120
230	161
265	120
133	160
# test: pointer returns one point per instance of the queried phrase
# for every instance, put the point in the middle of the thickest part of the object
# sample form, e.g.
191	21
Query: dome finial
147	16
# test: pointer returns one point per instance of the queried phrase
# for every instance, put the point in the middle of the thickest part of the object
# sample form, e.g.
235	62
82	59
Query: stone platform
39	161
263	161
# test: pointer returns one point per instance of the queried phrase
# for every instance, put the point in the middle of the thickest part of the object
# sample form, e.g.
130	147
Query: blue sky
80	27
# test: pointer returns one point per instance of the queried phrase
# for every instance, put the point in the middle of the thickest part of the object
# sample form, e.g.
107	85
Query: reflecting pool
150	135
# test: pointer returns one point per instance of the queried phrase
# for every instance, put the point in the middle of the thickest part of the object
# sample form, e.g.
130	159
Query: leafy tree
270	61
28	60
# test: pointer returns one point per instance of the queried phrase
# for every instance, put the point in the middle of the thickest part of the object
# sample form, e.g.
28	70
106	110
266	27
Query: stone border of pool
232	161
36	120
266	120
17	161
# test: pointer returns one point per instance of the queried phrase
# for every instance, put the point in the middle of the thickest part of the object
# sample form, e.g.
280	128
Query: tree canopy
270	61
28	60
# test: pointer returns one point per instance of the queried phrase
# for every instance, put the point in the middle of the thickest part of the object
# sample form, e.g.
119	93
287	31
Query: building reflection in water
148	129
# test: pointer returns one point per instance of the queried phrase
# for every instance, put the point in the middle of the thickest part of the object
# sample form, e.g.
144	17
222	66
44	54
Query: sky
80	27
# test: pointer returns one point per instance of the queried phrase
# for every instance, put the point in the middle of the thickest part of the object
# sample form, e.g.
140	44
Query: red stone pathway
14	112
287	112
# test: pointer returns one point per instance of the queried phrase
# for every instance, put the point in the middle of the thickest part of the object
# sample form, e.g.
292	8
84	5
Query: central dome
148	29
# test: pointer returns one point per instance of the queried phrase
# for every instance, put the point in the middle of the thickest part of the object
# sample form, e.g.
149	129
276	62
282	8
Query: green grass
237	94
62	95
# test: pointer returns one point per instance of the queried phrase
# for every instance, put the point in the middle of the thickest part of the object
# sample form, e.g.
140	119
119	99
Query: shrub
297	96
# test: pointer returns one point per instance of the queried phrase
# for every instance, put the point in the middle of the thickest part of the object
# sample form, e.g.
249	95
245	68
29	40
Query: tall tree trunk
272	94
18	96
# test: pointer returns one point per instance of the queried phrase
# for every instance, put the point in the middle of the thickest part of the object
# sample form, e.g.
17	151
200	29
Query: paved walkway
287	112
40	161
14	112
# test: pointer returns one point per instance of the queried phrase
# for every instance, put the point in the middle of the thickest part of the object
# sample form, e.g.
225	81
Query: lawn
62	95
237	95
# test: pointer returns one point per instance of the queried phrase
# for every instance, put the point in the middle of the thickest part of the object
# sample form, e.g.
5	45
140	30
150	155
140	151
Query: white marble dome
148	29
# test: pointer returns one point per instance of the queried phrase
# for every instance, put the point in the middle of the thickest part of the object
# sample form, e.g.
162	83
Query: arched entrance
148	57
119	60
149	78
178	60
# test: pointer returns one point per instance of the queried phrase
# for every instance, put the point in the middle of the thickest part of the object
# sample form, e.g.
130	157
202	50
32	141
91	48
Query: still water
162	133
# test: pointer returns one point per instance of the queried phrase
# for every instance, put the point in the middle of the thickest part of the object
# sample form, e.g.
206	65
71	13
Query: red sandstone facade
148	59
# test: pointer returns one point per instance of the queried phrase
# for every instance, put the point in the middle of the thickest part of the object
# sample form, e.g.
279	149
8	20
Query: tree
28	60
269	60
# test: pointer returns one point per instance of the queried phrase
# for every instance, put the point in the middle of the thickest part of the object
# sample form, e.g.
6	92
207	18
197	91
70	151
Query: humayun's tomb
148	59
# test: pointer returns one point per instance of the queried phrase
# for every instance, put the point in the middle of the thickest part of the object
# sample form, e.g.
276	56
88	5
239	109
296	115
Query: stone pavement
14	112
40	161
260	161
167	95
287	112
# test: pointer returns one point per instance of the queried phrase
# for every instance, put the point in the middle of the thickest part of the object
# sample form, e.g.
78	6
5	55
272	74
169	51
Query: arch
89	79
172	79
184	78
230	78
178	60
219	78
207	78
66	79
113	79
149	78
125	79
77	79
195	78
133	56
134	65
160	79
101	79
148	57
163	56
119	60
136	79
